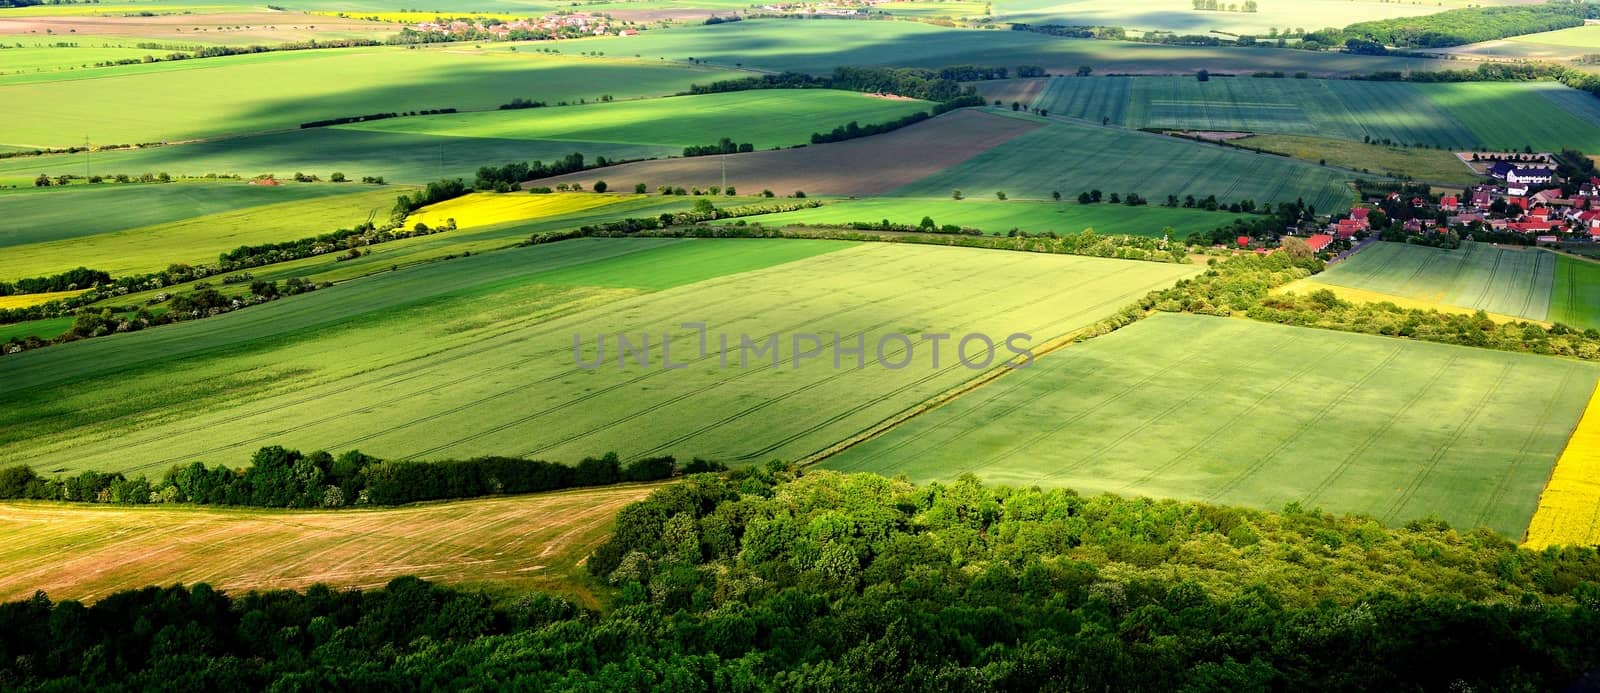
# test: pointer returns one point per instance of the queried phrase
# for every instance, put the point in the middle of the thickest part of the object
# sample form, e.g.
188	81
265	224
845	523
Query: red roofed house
1449	203
1360	214
1244	241
1347	228
1482	198
1318	241
1590	188
1518	202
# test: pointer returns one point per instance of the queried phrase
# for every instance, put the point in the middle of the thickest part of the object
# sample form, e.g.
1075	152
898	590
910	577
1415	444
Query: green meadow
994	216
476	355
1239	412
1070	158
764	118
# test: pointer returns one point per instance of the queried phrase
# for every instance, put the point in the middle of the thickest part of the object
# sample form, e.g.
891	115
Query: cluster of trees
765	579
1467	25
70	280
1109	33
437	191
506	178
371	116
520	103
281	478
918	83
725	145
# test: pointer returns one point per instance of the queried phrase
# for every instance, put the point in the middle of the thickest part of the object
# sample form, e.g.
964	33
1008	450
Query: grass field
515	543
193	98
820	46
999	217
1569	507
1510	281
864	166
1432	165
1452	116
1073	158
476	355
397	157
1239	412
764	118
199	239
39	215
477	210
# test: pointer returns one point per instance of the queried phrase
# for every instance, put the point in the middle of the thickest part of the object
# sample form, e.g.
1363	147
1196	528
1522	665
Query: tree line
372	116
913	82
773	579
1466	25
70	280
725	145
283	478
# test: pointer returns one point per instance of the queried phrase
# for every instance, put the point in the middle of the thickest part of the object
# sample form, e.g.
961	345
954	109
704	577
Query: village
547	27
1526	204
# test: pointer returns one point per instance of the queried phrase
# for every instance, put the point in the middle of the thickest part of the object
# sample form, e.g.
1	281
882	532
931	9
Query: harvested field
517	542
865	166
1241	412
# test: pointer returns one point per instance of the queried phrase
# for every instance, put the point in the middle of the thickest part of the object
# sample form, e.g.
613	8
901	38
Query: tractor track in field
1440	451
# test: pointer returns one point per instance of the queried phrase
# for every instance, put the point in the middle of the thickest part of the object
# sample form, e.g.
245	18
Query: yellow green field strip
1569	508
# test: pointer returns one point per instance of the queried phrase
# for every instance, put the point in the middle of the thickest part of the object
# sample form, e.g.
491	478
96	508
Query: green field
397	157
1509	281
1239	412
198	98
819	46
1180	16
765	118
39	215
1431	165
1486	115
1562	44
475	356
1575	296
198	239
999	217
1073	158
50	58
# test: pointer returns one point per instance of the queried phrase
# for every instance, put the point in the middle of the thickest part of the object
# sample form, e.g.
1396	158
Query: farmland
1181	17
1562	44
1456	115
765	118
1510	281
475	356
57	213
867	166
197	239
1431	165
999	217
488	209
397	157
1349	423
180	100
515	543
822	46
1071	158
1569	508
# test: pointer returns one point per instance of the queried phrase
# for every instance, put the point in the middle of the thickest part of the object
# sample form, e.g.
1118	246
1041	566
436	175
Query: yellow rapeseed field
26	300
1569	508
477	210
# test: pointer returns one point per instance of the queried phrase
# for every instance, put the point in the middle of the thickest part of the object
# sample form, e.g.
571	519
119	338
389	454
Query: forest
770	578
1468	25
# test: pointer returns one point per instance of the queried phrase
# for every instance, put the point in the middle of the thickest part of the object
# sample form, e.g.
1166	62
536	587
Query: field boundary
1575	468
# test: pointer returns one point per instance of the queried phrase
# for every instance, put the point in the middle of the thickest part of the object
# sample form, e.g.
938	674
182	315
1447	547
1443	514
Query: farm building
1318	241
